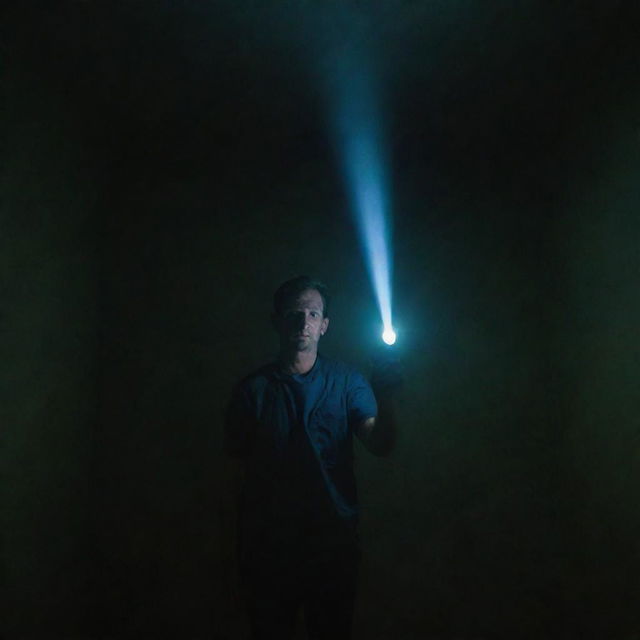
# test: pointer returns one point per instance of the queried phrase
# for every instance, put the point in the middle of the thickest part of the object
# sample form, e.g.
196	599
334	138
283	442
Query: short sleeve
361	403
239	422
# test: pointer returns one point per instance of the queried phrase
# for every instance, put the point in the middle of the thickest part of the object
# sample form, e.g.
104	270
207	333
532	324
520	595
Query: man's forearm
385	427
381	433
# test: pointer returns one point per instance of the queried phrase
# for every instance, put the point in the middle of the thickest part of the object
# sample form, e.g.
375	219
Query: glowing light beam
360	140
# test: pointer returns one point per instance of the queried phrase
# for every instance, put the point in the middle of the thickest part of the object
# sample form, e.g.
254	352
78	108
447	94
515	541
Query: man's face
302	322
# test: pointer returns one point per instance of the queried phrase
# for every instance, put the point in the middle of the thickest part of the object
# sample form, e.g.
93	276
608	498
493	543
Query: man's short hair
291	289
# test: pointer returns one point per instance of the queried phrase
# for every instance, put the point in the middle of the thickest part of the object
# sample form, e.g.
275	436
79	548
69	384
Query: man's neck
298	362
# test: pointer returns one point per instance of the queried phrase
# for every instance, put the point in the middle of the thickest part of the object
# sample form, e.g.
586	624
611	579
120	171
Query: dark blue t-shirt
296	435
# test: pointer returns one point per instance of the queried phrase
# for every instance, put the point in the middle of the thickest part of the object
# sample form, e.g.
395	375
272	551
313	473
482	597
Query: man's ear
324	326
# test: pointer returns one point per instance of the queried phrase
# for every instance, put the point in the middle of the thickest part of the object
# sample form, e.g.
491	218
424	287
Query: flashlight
389	336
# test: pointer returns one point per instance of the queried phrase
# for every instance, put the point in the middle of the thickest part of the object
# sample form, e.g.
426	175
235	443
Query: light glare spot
389	336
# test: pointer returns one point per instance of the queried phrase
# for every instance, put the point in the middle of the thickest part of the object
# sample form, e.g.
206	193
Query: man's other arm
239	425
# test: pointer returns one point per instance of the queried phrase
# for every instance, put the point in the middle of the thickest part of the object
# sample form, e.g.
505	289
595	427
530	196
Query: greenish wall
48	354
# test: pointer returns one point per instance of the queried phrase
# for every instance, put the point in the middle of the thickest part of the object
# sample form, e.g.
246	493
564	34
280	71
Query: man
292	423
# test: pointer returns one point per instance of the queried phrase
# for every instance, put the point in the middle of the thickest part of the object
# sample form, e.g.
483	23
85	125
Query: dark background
167	164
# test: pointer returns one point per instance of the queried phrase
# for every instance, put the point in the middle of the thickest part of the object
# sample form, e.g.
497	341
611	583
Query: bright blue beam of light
368	200
358	129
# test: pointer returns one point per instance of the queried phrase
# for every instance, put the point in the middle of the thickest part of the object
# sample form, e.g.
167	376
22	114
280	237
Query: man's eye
314	314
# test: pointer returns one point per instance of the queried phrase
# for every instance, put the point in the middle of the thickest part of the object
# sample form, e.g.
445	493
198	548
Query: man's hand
379	434
386	375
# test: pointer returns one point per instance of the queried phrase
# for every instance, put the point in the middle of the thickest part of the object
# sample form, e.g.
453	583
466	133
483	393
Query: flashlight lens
389	336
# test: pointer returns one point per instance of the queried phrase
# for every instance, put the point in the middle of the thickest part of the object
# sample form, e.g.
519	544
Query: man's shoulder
259	378
329	369
340	369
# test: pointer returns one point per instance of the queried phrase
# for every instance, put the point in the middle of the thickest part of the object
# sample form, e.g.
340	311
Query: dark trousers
323	585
